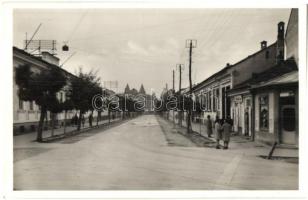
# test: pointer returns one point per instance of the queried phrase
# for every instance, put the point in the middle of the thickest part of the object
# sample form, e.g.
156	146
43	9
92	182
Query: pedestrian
83	120
226	132
90	119
209	126
218	129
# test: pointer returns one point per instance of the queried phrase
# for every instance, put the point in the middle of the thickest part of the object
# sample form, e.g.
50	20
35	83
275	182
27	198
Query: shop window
31	105
248	102
263	101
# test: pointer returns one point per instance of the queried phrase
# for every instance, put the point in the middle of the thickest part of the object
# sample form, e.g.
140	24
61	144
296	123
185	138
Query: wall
292	36
255	64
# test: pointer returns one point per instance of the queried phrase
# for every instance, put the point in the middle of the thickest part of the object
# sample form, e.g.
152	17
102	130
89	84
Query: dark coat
226	131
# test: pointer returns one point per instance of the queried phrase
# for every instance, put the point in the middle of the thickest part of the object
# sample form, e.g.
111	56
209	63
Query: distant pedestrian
226	132
90	119
83	120
218	130
209	126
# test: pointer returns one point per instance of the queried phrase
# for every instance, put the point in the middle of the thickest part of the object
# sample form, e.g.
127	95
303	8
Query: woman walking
218	129
226	132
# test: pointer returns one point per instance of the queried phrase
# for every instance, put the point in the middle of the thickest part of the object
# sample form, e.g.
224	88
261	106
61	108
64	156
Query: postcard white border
6	145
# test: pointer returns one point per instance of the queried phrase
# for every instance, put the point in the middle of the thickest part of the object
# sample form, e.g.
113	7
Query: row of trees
43	87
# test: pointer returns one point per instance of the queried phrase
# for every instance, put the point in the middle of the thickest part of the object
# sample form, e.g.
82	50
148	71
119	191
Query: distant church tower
127	90
141	91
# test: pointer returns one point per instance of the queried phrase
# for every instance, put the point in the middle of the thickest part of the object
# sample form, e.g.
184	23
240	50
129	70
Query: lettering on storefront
238	99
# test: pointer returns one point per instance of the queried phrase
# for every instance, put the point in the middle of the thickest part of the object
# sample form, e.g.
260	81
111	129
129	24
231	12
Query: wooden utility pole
190	45
179	67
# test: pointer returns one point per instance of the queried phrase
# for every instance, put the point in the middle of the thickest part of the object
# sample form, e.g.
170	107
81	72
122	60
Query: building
26	114
253	105
141	95
265	107
212	92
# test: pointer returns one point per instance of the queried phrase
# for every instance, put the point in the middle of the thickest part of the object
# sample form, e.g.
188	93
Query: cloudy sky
137	46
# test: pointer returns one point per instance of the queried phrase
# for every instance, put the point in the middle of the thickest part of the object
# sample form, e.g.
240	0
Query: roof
222	71
288	78
41	60
277	70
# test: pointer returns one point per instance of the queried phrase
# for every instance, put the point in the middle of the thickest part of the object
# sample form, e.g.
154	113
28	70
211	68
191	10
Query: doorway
288	124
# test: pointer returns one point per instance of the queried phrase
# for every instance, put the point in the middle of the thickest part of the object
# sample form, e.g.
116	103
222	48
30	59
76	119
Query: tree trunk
64	124
109	116
41	124
79	120
97	118
180	118
52	123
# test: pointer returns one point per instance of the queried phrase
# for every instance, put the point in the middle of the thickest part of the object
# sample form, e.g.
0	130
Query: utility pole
190	44
179	67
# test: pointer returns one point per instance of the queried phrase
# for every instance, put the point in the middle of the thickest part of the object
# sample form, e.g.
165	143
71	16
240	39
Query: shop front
241	112
276	110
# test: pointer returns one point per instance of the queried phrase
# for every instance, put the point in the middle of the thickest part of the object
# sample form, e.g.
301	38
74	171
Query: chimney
280	43
263	44
48	57
280	35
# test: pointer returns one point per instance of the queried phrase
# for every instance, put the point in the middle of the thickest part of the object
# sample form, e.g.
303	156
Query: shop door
288	124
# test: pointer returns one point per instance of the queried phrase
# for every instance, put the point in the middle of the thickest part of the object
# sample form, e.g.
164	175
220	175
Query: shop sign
238	99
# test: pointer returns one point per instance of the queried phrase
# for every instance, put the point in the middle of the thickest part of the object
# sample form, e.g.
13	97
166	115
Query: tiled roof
272	73
291	77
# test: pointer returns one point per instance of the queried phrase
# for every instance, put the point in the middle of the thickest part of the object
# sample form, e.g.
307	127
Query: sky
143	46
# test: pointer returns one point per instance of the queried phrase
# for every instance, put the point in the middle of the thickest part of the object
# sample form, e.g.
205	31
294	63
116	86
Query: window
267	54
263	101
210	101
217	98
21	104
214	100
31	105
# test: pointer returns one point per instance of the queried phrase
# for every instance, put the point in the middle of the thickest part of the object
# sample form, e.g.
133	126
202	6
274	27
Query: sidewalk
19	140
238	144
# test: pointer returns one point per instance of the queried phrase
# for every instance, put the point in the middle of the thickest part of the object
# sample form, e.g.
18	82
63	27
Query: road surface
135	155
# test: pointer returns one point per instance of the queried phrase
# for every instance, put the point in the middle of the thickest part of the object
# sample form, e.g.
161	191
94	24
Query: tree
41	88
83	89
67	105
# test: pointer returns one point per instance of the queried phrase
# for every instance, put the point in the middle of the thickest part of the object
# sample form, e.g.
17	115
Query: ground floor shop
276	115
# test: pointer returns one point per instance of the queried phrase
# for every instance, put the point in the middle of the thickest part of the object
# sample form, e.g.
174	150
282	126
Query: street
135	155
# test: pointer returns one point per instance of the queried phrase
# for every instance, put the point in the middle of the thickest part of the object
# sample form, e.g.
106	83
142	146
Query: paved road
135	155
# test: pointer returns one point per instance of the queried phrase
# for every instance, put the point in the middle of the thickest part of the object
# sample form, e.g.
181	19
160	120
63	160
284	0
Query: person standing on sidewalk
209	126
226	132
90	119
83	120
218	129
